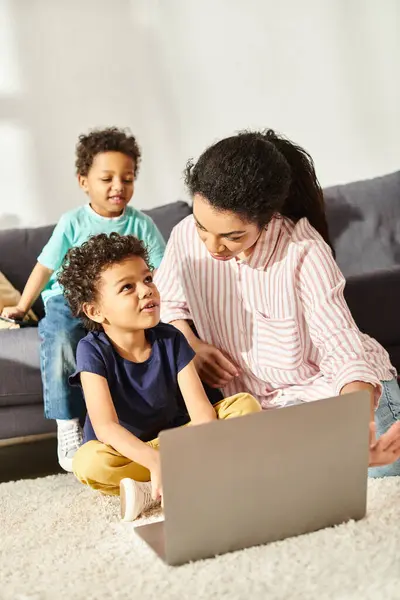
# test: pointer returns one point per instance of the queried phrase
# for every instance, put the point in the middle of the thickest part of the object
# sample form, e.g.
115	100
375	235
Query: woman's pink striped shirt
280	316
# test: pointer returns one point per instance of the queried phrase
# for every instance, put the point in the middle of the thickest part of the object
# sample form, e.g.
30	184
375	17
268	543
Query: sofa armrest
374	301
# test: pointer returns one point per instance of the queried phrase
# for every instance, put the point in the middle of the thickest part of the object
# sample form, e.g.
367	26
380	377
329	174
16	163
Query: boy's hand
156	484
13	312
212	366
386	450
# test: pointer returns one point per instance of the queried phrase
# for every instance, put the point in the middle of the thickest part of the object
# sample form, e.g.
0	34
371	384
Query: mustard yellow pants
102	468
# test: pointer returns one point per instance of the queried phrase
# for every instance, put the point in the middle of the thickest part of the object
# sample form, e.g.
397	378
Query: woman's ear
93	312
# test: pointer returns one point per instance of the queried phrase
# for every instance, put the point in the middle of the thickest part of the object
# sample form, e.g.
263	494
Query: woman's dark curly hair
111	139
82	268
258	174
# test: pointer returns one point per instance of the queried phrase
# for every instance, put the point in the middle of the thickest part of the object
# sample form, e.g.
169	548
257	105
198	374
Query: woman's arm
185	328
168	281
320	285
198	405
343	359
34	286
214	368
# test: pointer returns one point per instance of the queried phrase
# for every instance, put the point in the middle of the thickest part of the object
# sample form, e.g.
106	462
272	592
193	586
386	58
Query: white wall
183	73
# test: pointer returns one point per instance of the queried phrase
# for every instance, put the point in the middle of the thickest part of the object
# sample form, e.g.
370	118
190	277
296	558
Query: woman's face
224	234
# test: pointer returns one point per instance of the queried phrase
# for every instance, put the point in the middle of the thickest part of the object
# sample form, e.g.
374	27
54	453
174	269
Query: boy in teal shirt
107	163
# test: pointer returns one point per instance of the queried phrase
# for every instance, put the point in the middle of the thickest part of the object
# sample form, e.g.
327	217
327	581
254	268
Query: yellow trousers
102	468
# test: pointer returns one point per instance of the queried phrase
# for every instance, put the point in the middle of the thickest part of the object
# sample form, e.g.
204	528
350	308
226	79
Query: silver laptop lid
267	476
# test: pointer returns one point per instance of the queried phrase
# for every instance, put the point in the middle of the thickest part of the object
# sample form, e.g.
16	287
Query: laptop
260	478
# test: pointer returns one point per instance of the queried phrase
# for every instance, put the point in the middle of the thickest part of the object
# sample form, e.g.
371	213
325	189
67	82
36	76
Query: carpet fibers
60	540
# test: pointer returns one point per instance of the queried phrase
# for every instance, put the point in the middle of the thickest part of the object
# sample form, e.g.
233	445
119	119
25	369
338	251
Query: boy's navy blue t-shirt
146	395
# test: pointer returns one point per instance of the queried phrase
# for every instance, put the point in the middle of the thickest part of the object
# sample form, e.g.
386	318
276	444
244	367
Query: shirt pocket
277	343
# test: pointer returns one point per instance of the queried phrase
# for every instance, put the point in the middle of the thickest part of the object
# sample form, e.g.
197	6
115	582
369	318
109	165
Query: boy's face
128	299
109	183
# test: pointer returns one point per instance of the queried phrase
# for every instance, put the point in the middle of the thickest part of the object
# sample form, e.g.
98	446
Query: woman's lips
219	257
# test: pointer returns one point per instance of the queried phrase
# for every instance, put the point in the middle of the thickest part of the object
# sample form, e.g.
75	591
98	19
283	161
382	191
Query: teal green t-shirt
77	226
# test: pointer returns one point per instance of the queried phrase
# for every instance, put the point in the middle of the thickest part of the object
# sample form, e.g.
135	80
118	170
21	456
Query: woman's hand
212	366
385	450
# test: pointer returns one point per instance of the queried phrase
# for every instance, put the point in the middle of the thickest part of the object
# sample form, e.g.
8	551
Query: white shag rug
59	540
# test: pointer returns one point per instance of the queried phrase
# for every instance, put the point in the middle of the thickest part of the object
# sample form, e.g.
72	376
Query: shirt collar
265	245
96	216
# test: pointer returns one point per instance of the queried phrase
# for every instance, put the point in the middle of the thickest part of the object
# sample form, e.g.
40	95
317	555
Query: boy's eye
149	279
199	226
126	287
233	239
108	179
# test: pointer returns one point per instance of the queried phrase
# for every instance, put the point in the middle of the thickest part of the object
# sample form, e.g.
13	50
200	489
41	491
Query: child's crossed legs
102	468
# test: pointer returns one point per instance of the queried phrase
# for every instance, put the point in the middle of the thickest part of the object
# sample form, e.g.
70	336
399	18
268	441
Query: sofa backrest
364	224
363	218
19	248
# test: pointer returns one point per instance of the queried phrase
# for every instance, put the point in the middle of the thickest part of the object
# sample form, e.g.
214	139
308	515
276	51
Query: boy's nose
144	291
117	185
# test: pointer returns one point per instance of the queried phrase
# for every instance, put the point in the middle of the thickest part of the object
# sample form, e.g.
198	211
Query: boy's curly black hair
82	267
111	139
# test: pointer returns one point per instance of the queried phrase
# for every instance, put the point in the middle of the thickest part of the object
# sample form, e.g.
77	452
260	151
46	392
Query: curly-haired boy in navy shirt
137	374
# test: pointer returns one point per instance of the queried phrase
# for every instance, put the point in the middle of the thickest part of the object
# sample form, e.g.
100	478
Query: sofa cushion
364	223
20	381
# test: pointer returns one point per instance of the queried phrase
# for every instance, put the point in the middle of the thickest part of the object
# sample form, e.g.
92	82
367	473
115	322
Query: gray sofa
364	221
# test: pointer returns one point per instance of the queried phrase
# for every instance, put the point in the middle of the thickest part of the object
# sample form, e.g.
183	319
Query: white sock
66	423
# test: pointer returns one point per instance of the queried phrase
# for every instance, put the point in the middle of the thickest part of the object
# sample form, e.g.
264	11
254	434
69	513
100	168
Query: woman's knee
388	411
392	470
386	415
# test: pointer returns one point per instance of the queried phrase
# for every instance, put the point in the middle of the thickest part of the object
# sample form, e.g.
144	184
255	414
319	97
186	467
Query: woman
253	270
